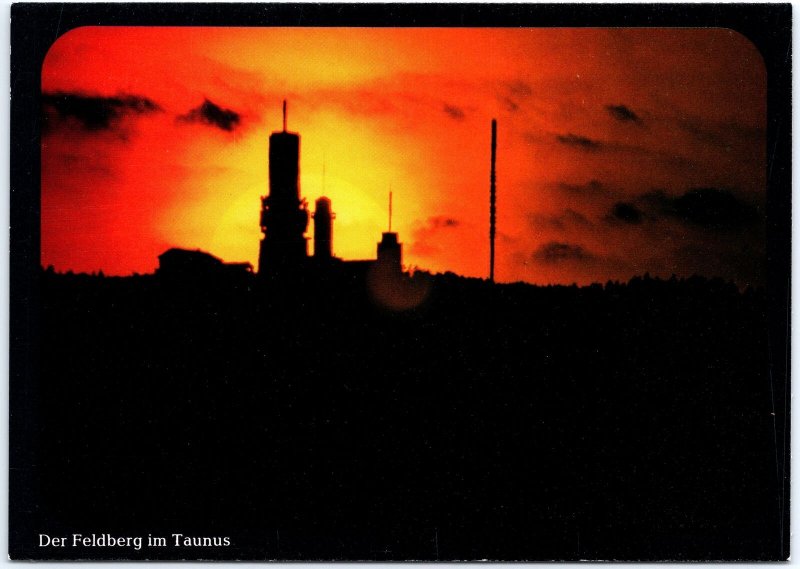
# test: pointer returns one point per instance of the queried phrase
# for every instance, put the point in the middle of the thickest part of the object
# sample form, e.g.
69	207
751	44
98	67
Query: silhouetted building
323	229
284	220
390	252
237	269
187	265
284	215
183	261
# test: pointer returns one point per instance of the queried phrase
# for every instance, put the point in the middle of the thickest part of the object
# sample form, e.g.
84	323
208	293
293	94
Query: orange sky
620	151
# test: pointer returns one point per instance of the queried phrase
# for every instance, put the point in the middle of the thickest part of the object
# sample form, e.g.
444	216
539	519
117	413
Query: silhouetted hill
625	421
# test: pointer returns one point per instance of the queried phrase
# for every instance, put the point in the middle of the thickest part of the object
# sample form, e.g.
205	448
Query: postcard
400	282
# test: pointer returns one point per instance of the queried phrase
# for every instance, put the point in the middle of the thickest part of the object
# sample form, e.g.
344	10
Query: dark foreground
512	422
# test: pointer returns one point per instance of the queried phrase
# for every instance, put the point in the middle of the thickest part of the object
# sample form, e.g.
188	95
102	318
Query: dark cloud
213	115
708	208
580	142
714	209
703	133
554	252
520	89
592	187
722	135
568	218
94	113
619	150
441	221
454	112
626	213
623	114
509	104
426	237
513	92
657	201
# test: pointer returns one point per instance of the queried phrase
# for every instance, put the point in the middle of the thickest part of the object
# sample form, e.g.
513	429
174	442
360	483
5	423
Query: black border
35	27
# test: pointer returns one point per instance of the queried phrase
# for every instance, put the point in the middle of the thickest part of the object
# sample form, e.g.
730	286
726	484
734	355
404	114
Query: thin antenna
284	115
390	211
492	201
323	174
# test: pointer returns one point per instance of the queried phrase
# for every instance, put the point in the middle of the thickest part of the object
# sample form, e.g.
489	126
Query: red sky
620	151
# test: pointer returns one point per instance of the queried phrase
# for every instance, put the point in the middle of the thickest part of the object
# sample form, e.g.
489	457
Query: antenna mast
390	211
492	201
284	115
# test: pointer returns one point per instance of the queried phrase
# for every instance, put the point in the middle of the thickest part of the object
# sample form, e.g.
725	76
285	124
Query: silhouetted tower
323	229
390	250
492	201
284	215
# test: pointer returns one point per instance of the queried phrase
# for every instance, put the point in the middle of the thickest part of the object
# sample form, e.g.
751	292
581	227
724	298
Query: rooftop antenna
390	211
492	201
284	115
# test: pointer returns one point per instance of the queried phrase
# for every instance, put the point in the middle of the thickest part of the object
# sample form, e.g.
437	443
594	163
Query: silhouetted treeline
624	421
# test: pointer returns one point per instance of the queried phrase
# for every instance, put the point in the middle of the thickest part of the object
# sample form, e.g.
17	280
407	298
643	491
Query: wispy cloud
454	112
707	208
623	114
580	142
212	114
556	252
426	237
93	112
625	212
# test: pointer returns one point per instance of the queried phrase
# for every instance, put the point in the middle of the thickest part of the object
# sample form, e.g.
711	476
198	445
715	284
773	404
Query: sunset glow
620	151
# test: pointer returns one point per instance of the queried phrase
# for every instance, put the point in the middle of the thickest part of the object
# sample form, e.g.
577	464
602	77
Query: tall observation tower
284	215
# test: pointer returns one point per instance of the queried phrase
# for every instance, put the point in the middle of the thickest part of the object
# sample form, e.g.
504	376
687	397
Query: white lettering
45	540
